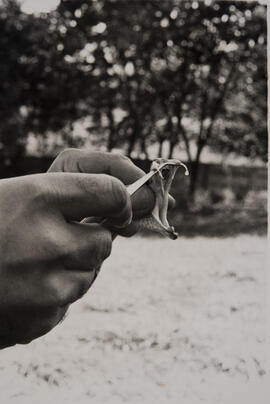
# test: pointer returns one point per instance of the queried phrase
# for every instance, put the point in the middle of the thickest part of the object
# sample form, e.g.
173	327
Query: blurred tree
42	87
229	54
12	126
191	61
188	72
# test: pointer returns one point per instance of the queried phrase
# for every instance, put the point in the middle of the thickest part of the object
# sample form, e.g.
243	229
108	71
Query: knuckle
37	204
67	153
78	288
121	157
58	296
66	161
38	190
55	296
84	286
57	246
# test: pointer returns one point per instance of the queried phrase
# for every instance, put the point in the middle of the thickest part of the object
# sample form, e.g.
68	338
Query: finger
89	246
81	195
85	161
67	286
116	165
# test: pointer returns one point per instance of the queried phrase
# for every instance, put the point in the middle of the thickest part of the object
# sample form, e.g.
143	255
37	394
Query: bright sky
38	6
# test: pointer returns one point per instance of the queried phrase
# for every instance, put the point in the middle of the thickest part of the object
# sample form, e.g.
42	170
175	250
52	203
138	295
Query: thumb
77	196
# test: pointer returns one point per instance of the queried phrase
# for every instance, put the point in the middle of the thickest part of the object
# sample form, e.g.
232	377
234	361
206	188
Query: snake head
160	184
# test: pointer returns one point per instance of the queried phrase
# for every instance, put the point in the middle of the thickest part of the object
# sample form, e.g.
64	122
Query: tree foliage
199	67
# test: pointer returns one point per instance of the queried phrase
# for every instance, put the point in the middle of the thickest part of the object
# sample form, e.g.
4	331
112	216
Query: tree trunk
134	136
110	144
194	171
111	137
144	149
171	150
132	141
160	148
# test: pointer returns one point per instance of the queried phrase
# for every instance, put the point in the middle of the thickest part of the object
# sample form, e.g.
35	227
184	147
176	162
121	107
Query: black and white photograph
133	202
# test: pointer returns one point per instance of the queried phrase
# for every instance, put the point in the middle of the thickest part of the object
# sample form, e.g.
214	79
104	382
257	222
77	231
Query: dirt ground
166	322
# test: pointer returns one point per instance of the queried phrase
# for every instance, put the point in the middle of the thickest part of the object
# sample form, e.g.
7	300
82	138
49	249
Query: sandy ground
166	322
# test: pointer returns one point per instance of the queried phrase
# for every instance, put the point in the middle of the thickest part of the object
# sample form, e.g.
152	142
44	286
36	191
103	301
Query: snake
163	172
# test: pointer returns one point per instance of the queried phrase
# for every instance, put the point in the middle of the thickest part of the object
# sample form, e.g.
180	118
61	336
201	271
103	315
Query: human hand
47	258
116	165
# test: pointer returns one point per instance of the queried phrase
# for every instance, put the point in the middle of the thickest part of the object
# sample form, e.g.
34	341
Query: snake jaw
160	185
159	179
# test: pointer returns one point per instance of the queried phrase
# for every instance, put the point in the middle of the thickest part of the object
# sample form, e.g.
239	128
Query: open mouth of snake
160	185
